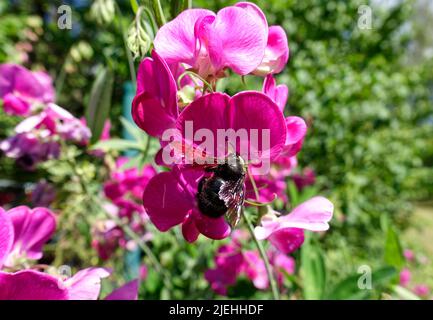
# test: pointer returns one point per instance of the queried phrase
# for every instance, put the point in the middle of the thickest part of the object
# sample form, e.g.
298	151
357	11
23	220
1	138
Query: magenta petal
129	291
168	198
189	229
176	41
207	112
150	115
15	106
212	228
6	235
253	110
86	284
287	240
278	94
235	39
155	77
313	214
276	53
31	285
296	130
255	11
33	228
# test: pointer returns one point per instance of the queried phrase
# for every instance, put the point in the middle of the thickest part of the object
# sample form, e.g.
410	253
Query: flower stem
271	277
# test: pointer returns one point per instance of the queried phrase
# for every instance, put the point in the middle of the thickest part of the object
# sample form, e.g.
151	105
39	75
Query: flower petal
6	235
287	240
31	285
313	215
168	197
235	39
176	41
86	284
189	229
251	110
278	94
213	228
33	228
129	291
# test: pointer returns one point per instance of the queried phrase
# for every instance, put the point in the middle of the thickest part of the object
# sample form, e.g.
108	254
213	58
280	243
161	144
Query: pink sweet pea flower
278	93
276	52
154	108
209	42
409	255
21	88
32	228
405	277
35	285
170	197
421	290
313	215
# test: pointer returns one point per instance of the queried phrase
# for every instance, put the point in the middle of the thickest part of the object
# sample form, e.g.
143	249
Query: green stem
127	51
159	14
271	277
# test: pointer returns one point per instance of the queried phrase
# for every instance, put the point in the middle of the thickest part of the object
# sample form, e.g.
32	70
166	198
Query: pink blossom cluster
232	262
23	233
124	189
420	289
37	138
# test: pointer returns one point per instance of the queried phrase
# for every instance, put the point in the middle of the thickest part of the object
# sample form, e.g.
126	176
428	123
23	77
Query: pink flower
154	108
405	277
278	93
421	290
35	285
28	149
282	232
231	262
56	120
21	88
235	37
409	255
32	228
276	52
125	189
307	178
170	197
106	238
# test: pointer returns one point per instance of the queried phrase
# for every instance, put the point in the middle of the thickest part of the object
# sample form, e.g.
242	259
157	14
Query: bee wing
190	154
233	194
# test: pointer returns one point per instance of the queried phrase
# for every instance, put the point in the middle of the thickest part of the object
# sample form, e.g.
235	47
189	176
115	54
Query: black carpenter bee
223	192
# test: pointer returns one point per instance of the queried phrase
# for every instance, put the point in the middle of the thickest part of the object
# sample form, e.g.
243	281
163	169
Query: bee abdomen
208	198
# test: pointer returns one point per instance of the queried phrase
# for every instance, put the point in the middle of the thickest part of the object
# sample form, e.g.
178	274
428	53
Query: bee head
232	169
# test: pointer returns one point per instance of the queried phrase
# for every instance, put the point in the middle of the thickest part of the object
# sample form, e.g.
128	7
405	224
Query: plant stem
271	277
127	51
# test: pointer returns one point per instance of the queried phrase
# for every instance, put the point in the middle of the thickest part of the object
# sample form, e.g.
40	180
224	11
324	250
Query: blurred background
366	93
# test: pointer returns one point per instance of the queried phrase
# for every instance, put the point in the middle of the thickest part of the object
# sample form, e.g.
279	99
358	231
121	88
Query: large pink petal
235	39
6	235
31	285
208	112
129	291
33	228
169	197
86	284
260	116
15	78
213	228
313	215
255	11
175	41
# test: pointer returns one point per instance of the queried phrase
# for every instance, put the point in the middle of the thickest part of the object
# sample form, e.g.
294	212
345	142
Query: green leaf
313	270
133	130
99	105
134	5
393	250
349	289
116	145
